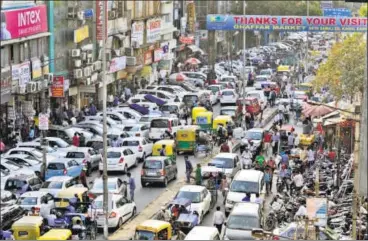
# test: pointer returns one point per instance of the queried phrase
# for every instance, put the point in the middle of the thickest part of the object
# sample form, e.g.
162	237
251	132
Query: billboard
99	19
285	23
337	12
19	23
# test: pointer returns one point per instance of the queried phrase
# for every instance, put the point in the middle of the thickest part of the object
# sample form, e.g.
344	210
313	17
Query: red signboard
186	40
57	87
99	18
148	57
18	23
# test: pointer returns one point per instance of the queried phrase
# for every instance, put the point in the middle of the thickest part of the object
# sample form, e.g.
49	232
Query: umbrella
178	77
193	61
319	110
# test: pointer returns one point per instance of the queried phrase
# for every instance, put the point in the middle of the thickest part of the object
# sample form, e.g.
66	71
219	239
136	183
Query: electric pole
212	46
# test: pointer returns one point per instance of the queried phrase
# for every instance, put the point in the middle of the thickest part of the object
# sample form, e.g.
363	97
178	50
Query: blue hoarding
286	23
337	12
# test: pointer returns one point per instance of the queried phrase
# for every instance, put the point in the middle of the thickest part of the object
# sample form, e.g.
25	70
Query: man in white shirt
45	209
302	211
246	158
218	219
310	157
298	181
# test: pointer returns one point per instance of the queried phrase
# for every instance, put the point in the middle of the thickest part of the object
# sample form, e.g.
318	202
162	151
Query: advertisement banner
118	63
148	57
157	55
22	73
186	39
6	85
99	18
36	68
138	32
317	210
286	23
191	17
43	122
153	27
57	87
81	34
19	23
337	12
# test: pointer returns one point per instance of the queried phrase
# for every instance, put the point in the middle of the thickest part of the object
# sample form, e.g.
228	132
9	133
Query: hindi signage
117	64
99	18
57	87
138	32
153	28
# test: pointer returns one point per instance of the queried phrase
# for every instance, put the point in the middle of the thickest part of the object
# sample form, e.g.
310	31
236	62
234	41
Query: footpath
126	232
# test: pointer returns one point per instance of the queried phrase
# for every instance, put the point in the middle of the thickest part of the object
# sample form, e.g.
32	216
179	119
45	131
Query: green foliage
363	11
343	71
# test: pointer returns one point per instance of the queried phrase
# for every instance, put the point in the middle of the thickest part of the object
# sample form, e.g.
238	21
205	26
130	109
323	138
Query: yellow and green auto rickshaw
186	138
170	148
28	228
306	87
195	112
221	120
156	230
57	234
204	120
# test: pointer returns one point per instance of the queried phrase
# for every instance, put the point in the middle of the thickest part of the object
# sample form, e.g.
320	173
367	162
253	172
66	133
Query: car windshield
265	72
145	119
244	187
99	185
131	143
113	154
227	93
32	201
52	185
254	135
33	162
190	99
242	222
228	79
222	163
144	235
62	144
95	144
169	108
152	164
160	123
214	89
56	166
195	197
12	184
75	155
227	112
131	128
261	79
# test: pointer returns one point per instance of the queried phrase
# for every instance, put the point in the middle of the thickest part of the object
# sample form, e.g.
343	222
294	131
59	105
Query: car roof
248	175
115	149
109	179
114	196
24	149
246	208
59	160
81	149
192	188
199	232
34	194
22	156
133	138
59	178
226	155
156	158
256	130
229	108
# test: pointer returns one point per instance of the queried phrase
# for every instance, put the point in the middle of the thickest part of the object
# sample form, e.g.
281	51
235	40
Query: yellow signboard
191	16
81	34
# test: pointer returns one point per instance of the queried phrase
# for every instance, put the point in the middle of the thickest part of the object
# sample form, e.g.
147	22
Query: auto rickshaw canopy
221	119
170	147
56	234
283	68
196	111
154	226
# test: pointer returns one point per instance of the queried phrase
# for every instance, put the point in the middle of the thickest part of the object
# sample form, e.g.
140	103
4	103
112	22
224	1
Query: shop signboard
21	73
81	34
6	84
138	32
99	18
57	87
36	68
19	23
286	23
191	16
117	64
43	122
148	57
153	28
186	39
337	12
157	55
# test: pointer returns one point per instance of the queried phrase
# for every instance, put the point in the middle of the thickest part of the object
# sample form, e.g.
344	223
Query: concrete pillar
50	19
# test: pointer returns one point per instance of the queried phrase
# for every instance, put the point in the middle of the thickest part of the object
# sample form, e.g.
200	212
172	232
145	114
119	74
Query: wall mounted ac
131	61
31	87
84	55
45	83
49	77
76	52
78	73
21	90
39	85
97	65
77	63
87	71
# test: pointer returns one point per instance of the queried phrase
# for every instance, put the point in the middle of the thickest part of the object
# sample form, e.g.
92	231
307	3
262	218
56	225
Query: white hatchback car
122	210
114	185
138	130
228	96
34	199
199	196
119	159
142	147
55	184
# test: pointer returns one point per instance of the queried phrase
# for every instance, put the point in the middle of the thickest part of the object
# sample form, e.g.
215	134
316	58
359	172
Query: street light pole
104	133
307	54
244	63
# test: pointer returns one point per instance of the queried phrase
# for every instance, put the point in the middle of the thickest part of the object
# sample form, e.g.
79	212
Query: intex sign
23	22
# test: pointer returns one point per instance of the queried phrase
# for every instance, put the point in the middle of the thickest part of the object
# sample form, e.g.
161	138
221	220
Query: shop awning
333	121
194	48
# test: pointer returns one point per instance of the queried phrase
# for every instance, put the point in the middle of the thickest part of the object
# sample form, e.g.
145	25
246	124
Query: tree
343	72
363	11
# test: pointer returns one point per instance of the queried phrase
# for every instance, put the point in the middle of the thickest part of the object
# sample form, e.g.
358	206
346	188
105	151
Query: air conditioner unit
89	55
84	55
77	63
49	77
31	87
76	52
80	15
87	71
39	85
89	61
112	15
78	73
45	83
97	65
129	52
131	61
72	12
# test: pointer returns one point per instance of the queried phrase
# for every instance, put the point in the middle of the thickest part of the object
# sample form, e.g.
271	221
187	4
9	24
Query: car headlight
230	202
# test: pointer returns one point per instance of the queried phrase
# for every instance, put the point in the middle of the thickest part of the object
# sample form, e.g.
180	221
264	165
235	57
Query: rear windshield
95	144
190	98
28	201
161	123
131	143
56	166
111	154
170	108
214	89
75	155
145	119
53	185
152	165
227	93
132	128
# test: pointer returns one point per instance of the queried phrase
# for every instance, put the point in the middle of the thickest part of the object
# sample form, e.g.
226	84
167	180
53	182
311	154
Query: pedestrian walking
188	168
218	219
75	140
131	183
2	146
310	157
127	93
198	175
92	110
275	142
83	177
296	140
290	140
163	150
267	143
31	133
268	180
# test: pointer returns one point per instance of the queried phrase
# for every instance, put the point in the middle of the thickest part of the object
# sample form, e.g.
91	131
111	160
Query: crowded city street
183	120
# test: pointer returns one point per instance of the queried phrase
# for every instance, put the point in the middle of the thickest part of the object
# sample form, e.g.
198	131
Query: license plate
151	173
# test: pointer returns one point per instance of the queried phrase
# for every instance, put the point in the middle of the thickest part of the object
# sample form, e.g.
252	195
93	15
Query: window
131	143
75	155
126	153
167	162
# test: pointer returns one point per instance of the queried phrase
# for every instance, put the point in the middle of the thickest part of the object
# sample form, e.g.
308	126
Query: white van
203	233
245	181
159	125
